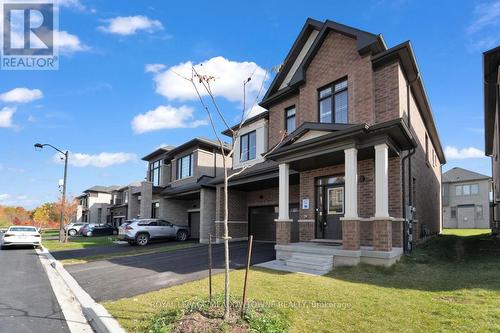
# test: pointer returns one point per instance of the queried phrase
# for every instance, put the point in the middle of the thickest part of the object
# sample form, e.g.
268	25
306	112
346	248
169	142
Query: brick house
361	154
491	72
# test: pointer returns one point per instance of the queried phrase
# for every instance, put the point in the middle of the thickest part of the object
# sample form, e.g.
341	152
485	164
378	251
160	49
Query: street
27	302
128	276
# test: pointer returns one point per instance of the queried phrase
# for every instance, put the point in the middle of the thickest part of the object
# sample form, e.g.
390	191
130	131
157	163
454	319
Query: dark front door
194	224
330	208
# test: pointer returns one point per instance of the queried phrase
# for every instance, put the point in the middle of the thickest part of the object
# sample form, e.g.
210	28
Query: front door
329	209
466	216
194	224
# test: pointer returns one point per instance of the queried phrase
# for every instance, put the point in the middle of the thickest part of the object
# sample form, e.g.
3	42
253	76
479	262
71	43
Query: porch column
382	222
283	225
350	222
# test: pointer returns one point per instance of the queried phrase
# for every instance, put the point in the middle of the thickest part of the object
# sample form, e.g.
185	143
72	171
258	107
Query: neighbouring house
491	76
93	204
361	155
466	199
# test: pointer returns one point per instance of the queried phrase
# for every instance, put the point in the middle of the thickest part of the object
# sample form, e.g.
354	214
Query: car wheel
142	239
89	234
182	235
72	232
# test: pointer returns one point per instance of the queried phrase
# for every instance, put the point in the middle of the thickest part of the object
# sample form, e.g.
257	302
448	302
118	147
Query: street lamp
39	146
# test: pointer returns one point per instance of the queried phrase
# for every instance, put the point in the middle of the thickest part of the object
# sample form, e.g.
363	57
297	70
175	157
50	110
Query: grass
466	232
130	253
450	283
79	243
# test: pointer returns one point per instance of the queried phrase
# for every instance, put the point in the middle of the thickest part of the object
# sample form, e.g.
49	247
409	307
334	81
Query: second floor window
333	103
155	172
125	197
248	146
470	189
290	119
185	166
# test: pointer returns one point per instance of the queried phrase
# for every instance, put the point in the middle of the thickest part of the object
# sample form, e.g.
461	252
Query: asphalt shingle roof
460	175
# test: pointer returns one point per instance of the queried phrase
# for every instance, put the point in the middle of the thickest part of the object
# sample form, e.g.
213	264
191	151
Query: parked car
73	228
90	230
141	231
21	235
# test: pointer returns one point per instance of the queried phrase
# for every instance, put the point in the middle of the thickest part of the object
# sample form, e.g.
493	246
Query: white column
284	173
351	183
381	181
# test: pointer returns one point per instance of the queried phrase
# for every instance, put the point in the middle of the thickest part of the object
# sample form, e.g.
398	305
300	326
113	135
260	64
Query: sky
121	89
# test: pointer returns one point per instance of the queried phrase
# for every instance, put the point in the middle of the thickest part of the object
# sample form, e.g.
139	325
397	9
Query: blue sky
105	99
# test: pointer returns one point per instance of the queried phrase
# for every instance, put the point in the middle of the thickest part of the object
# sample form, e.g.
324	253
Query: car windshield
24	229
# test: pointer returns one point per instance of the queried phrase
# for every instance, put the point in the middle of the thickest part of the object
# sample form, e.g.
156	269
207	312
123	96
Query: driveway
129	276
27	302
103	250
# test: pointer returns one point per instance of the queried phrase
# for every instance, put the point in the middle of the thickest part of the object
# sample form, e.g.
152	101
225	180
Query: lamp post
62	236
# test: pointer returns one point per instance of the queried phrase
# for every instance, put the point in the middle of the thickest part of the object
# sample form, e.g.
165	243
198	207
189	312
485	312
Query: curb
98	317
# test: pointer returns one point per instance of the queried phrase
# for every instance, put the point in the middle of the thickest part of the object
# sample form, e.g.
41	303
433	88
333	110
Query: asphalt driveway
27	302
103	250
129	276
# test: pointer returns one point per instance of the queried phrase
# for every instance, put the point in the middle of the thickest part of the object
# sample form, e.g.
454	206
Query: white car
74	228
21	235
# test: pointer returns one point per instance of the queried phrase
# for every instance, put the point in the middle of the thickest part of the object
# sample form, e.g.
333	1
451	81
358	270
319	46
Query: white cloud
229	77
21	95
6	114
101	160
165	116
154	68
484	30
76	4
130	25
254	110
4	196
19	200
68	43
454	153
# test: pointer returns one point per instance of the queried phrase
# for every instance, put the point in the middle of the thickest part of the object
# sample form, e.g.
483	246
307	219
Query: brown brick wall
338	57
351	235
306	231
283	233
236	230
382	235
397	233
366	236
387	93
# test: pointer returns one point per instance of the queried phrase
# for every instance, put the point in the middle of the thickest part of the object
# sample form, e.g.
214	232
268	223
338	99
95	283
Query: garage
262	226
194	224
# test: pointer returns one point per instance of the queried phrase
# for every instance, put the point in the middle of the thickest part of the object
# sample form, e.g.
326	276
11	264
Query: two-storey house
93	204
466	199
361	154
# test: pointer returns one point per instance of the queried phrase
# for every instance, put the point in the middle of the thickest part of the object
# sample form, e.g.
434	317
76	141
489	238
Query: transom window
248	146
290	123
185	166
155	172
469	189
333	103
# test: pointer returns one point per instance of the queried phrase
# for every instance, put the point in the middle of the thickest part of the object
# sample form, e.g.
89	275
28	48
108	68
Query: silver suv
141	231
73	228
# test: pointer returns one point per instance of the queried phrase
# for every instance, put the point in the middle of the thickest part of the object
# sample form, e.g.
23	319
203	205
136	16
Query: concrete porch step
315	262
280	265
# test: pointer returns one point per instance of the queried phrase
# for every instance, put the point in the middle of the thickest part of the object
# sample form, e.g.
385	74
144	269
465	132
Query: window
155	172
99	214
290	123
125	197
185	166
333	103
426	148
479	212
469	189
453	213
248	146
155	207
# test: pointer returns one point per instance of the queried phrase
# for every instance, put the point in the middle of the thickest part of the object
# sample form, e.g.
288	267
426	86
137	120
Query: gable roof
491	75
461	175
204	142
366	42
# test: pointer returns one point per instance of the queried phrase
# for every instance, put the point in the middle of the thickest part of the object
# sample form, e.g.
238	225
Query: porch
350	196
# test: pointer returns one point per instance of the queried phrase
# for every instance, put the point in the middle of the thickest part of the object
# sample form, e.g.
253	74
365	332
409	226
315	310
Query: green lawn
451	283
466	232
79	243
132	251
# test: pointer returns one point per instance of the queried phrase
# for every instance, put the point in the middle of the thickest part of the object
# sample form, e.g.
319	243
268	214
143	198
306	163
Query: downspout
407	157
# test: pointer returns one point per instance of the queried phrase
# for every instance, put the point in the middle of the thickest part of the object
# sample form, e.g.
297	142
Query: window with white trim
248	146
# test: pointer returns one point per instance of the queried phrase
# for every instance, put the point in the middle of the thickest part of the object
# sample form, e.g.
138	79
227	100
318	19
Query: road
129	276
27	302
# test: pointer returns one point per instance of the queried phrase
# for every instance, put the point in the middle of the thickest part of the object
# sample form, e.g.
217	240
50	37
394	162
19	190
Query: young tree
202	85
70	207
41	215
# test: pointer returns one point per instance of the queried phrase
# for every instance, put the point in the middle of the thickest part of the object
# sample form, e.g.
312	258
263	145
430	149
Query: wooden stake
210	266
249	257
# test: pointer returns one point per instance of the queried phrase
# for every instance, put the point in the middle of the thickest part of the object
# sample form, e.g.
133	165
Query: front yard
451	283
79	243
